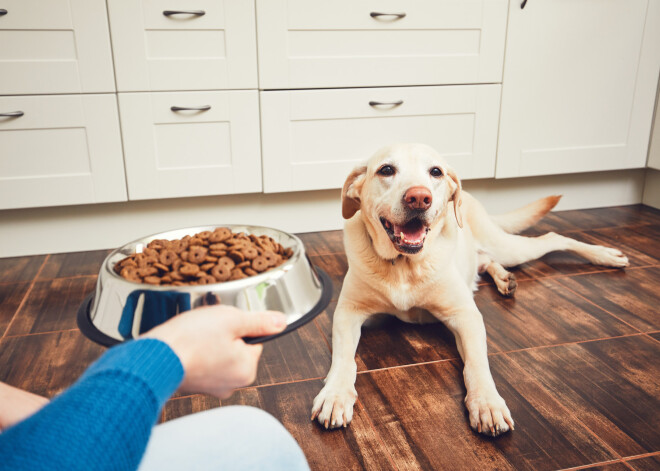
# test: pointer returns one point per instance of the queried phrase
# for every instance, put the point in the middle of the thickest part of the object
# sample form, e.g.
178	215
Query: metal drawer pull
3	12
386	103
375	14
191	108
184	12
12	114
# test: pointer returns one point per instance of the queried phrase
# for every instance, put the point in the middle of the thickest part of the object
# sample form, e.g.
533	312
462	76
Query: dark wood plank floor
576	355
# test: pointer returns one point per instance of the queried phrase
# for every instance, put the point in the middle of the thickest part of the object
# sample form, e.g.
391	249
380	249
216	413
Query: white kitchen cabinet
344	43
654	146
58	46
211	148
313	138
60	150
579	83
179	45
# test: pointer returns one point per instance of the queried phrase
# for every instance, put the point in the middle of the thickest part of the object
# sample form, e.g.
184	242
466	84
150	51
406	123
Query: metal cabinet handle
3	12
375	14
12	114
191	108
386	103
184	12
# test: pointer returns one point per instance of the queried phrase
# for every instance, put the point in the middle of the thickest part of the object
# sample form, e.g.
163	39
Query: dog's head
403	194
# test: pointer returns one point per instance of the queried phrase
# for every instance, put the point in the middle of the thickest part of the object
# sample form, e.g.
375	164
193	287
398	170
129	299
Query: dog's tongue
411	233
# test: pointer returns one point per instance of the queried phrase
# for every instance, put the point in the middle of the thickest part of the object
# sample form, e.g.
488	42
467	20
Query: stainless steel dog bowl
120	310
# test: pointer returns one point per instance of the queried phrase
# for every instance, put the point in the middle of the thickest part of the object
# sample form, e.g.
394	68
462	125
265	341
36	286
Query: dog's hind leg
504	280
511	250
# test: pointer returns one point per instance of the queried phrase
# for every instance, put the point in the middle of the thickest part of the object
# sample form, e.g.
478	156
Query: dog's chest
403	289
402	296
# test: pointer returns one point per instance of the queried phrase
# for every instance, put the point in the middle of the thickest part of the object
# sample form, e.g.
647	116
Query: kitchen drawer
313	138
213	49
316	43
213	151
58	46
64	149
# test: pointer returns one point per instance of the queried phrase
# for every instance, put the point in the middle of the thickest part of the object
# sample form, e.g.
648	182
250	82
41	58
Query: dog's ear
456	197
350	193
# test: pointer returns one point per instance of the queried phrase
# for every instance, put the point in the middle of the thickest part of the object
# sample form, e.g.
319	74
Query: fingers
257	324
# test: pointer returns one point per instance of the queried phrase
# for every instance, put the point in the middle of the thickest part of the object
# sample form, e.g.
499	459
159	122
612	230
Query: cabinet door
579	85
344	43
313	138
214	150
182	45
60	150
58	46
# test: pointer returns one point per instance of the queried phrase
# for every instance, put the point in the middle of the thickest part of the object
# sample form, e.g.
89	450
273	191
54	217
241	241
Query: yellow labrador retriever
415	243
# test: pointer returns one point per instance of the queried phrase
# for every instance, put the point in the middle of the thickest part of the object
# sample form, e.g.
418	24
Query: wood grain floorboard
633	296
354	448
640	243
543	312
607	467
612	386
52	305
301	354
73	264
323	243
651	463
419	412
597	218
46	364
11	296
20	268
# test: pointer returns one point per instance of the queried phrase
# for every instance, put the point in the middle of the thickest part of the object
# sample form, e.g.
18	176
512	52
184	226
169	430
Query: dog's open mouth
409	237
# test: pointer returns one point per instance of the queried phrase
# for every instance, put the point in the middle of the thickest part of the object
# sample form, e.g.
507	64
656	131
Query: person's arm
16	405
105	419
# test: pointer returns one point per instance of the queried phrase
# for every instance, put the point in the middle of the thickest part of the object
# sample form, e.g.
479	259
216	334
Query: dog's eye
386	171
435	172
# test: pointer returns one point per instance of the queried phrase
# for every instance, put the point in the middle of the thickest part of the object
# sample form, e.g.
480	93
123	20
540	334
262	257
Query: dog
415	243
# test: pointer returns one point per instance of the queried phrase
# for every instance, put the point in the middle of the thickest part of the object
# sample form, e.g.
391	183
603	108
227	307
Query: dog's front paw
333	407
488	414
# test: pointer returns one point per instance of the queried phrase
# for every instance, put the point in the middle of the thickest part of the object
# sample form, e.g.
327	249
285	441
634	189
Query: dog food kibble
205	258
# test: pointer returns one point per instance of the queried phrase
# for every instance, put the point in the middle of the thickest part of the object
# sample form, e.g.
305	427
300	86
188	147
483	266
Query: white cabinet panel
654	149
59	46
313	138
63	150
579	84
316	43
212	151
214	47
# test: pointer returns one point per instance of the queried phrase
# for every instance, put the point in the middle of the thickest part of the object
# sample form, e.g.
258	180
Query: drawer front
313	138
212	151
63	150
316	43
59	46
183	51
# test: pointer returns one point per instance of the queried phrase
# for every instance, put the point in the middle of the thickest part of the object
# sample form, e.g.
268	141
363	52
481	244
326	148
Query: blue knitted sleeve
104	420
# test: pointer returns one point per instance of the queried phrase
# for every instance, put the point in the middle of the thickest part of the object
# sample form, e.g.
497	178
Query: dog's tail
522	218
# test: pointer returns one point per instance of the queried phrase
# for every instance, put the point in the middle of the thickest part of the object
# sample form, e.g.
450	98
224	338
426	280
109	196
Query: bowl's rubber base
93	333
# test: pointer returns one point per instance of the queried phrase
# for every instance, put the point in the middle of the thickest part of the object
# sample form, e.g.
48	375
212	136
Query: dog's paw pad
507	284
333	407
489	415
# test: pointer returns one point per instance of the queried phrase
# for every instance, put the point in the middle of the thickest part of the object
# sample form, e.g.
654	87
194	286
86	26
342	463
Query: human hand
16	405
209	343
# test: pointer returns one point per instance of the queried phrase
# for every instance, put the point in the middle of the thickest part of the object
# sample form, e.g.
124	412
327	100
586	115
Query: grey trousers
232	438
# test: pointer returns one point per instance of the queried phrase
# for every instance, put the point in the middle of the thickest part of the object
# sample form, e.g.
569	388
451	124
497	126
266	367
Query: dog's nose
418	198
